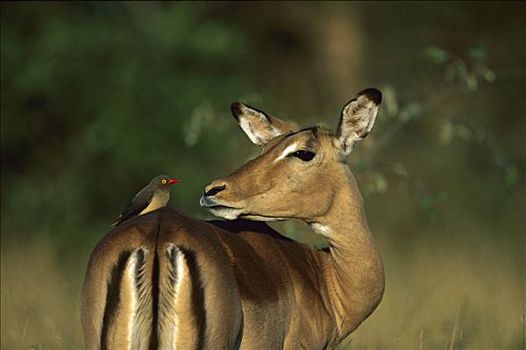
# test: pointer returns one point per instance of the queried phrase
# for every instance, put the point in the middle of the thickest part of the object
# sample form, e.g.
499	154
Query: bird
153	196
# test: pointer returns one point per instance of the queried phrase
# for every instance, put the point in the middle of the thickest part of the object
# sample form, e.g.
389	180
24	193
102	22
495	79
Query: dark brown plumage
153	196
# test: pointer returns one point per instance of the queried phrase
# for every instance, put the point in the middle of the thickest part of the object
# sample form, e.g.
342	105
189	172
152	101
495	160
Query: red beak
173	181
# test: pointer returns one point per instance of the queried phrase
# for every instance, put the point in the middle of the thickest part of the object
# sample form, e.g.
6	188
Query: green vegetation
97	98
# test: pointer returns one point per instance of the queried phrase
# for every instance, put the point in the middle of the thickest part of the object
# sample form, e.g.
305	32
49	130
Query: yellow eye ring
163	181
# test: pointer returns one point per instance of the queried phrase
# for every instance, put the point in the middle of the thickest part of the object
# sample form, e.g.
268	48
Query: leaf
400	170
442	197
377	184
477	53
511	175
410	111
480	134
426	202
463	132
436	54
471	81
380	183
450	73
488	75
446	133
202	116
390	101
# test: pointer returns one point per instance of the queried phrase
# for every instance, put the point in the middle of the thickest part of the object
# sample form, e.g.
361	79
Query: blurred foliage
97	98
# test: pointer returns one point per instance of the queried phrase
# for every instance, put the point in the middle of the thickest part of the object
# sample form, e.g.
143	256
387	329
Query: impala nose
212	190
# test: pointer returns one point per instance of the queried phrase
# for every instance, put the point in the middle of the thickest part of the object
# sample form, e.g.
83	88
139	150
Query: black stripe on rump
154	337
113	296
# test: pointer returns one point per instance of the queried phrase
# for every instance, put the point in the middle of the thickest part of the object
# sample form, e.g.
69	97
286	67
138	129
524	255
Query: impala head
299	173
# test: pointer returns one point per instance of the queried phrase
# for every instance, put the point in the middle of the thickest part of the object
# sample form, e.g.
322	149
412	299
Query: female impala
165	280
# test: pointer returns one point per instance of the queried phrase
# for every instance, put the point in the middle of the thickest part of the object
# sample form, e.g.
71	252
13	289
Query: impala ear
259	127
357	119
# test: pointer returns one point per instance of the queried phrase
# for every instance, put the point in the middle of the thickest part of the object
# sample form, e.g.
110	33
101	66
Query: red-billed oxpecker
152	197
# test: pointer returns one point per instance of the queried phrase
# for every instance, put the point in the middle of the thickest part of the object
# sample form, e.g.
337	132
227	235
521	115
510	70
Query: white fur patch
225	213
288	150
181	268
131	320
130	274
181	273
323	230
174	315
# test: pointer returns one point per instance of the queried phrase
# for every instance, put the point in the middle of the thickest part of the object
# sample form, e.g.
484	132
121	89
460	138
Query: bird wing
138	204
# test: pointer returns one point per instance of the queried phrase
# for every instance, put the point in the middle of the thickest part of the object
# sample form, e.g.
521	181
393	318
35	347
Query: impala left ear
259	127
357	119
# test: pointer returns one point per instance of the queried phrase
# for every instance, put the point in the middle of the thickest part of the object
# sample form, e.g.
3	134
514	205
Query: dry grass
461	296
437	297
39	300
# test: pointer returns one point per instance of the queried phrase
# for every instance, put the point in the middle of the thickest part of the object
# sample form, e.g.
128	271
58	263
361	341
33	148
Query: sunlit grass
39	299
454	296
437	296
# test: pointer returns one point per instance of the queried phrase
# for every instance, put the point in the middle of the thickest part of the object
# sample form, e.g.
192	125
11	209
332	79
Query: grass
439	296
39	298
461	296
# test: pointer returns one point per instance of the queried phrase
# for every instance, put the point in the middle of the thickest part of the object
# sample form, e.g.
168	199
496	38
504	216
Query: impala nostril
215	190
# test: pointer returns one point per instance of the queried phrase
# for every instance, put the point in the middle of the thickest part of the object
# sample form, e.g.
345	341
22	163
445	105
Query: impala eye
306	156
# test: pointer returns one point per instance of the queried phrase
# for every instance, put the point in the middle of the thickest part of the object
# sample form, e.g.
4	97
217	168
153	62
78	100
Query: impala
168	281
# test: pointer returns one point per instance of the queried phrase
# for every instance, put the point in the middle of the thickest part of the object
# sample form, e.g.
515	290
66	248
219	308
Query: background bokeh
97	98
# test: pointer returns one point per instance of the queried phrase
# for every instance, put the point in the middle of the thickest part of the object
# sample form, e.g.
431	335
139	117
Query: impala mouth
257	217
226	213
210	203
220	210
231	213
219	207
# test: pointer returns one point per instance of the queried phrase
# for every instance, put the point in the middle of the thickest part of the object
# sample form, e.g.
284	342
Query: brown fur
241	284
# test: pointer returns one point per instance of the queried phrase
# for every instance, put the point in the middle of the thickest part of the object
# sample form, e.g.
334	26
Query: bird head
163	181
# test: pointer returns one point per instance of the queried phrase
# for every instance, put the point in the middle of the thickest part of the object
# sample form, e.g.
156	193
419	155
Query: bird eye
305	156
163	181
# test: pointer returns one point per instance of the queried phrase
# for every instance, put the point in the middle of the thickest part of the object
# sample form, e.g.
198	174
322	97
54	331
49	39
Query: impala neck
355	275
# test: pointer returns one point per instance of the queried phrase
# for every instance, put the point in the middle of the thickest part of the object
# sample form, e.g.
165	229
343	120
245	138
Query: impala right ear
259	127
357	119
